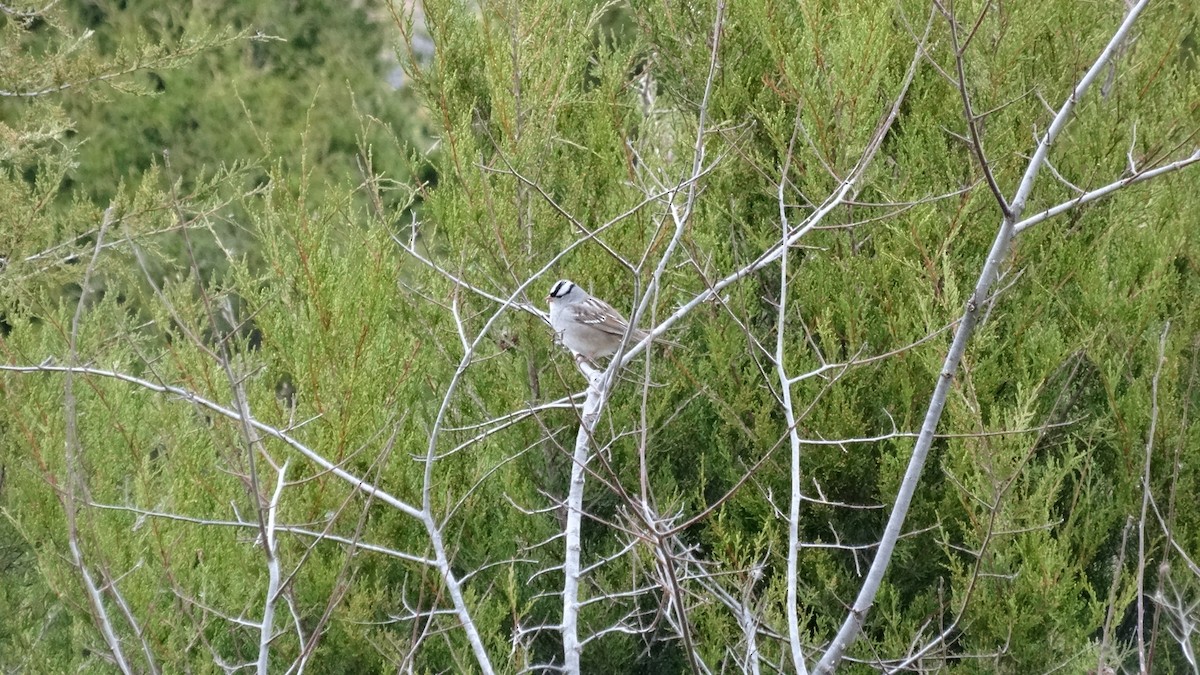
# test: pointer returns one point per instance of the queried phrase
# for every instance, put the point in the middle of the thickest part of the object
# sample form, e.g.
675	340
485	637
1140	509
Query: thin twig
1143	661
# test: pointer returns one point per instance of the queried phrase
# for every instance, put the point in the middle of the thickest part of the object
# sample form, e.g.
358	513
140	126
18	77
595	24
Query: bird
587	325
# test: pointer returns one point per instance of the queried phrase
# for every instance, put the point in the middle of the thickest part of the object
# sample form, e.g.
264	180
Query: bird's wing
599	315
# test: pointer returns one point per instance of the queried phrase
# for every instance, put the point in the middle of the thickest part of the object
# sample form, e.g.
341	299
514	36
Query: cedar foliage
267	238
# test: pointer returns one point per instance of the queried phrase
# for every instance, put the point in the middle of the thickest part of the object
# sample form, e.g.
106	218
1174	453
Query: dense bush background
258	159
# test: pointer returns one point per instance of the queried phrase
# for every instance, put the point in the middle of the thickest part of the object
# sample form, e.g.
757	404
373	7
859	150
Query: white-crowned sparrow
587	326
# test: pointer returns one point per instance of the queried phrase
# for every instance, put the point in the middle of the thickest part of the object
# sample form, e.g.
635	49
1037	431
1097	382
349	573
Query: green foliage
263	241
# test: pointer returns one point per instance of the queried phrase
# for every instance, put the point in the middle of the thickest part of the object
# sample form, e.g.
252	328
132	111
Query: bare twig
973	120
267	626
1143	660
75	476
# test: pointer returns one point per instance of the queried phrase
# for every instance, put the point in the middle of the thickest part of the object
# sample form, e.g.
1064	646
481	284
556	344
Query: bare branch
998	254
1098	193
789	412
1064	113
